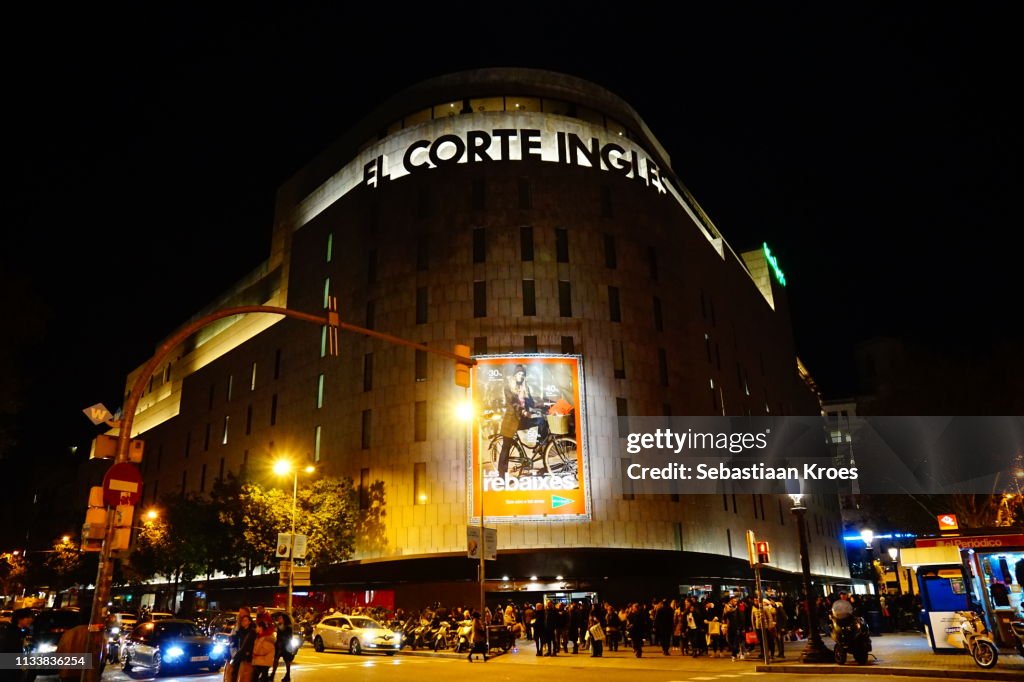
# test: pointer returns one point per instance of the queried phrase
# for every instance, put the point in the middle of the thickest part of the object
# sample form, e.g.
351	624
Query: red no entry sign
122	485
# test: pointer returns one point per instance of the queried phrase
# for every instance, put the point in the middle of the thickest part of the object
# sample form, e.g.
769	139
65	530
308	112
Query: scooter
1017	628
850	633
977	640
465	635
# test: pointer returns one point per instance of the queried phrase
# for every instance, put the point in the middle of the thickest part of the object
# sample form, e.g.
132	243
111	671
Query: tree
65	560
328	514
12	573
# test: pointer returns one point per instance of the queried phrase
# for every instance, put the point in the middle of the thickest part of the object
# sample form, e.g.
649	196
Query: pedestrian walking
597	636
479	639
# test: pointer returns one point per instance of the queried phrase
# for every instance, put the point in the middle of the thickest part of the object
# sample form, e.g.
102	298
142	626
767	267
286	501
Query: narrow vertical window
252	377
367	424
202	480
277	363
610	257
167	373
371	313
248	420
423	253
622	412
316	443
479	245
618	359
728	540
421	305
364	488
480	345
319	391
529	298
323	341
561	245
330	247
663	367
224	436
526	242
529	344
273	409
420	421
479	299
564	299
371	267
419	483
368	372
421	365
659	324
327	291
525	194
231	385
478	194
614	312
568	346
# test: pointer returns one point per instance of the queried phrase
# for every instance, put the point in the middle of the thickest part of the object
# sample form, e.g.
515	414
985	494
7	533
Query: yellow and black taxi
171	644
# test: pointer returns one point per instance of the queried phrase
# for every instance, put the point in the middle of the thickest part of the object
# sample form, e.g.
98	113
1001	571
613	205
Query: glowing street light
893	553
283	467
868	536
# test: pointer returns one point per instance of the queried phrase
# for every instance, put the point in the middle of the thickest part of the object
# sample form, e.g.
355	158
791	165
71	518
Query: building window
248	420
480	345
252	377
371	310
206	438
478	194
622	412
715	406
614	312
728	540
627	482
479	245
610	258
561	245
323	342
364	488
420	421
371	267
663	366
167	373
606	202
529	344
564	299
330	247
224	437
526	242
529	298
231	386
568	347
367	372
421	305
421	365
707	347
149	387
273	409
202	479
479	299
652	262
725	502
782	517
423	253
316	443
525	194
277	363
419	483
659	324
366	427
327	291
319	391
618	359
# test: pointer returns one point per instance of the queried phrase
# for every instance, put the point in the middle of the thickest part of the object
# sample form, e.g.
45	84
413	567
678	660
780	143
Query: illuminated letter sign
530	410
774	262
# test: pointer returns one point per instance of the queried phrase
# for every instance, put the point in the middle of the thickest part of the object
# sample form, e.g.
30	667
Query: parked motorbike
977	640
441	636
465	636
1017	627
850	633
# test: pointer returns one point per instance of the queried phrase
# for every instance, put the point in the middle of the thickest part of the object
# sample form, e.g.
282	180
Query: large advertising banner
528	440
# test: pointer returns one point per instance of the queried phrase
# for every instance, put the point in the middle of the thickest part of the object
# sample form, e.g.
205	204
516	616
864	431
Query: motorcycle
977	640
465	636
1017	628
850	633
441	636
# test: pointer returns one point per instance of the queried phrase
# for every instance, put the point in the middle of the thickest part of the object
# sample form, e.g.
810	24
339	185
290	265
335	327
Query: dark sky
875	147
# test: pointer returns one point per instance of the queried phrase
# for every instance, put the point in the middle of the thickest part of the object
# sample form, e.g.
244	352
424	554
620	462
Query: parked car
356	634
171	644
49	625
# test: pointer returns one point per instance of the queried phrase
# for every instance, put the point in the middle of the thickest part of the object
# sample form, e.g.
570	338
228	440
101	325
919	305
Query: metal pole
815	651
760	597
291	551
483	537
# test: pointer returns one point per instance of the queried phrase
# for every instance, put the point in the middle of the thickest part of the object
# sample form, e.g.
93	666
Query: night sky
876	148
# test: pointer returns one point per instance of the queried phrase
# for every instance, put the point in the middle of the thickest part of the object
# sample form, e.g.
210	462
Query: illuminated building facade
519	212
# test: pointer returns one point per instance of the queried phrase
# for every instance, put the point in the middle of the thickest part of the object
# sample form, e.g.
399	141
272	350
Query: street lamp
464	412
815	651
283	467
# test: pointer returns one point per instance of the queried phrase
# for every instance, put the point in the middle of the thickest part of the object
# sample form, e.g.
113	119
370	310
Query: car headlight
46	648
218	650
369	639
114	630
174	652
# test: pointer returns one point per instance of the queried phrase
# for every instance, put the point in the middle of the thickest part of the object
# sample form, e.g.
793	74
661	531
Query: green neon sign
774	262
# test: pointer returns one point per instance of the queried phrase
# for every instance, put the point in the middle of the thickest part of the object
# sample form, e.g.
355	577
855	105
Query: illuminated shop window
487	104
516	103
319	391
327	291
323	342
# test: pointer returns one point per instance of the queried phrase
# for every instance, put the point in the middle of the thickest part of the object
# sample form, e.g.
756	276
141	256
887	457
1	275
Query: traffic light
462	369
763	555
